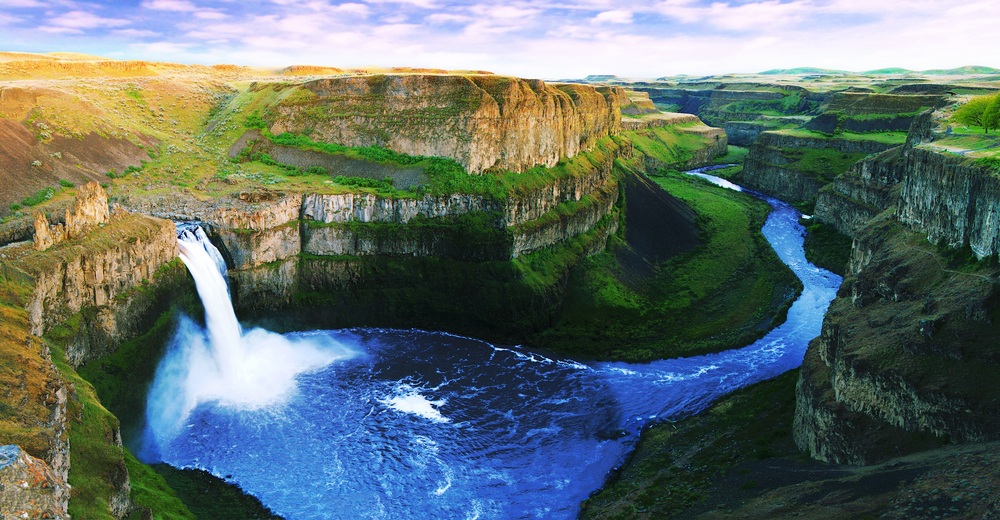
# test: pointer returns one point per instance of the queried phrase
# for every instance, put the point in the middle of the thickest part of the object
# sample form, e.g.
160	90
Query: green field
668	144
720	295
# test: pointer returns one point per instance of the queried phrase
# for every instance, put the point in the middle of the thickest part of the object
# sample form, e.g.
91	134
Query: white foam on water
410	401
220	364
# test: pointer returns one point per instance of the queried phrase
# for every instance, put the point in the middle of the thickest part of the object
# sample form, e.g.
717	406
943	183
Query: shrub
39	197
364	182
254	120
15	207
65	183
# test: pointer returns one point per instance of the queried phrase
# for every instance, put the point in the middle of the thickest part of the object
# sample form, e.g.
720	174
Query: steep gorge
907	348
480	121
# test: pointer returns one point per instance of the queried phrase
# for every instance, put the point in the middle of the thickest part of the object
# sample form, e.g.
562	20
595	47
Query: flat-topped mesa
481	121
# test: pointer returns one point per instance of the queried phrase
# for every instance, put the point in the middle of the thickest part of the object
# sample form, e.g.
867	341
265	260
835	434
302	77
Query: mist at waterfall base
394	424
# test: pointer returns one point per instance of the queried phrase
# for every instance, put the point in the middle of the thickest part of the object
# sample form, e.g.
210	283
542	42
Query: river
408	424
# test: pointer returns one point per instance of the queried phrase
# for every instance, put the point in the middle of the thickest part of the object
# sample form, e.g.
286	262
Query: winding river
398	424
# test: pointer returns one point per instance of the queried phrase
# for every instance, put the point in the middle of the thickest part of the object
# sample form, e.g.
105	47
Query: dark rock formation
905	355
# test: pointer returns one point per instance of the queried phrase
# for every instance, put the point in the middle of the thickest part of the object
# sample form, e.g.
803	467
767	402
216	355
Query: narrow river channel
406	424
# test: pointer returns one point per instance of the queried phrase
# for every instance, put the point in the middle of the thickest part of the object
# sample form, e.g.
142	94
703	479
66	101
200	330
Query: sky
538	39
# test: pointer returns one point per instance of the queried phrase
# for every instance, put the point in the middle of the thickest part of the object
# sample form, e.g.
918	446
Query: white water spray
220	364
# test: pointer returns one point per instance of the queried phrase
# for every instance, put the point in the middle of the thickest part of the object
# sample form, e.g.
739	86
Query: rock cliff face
946	198
742	133
767	170
29	488
100	274
264	236
904	357
861	193
480	121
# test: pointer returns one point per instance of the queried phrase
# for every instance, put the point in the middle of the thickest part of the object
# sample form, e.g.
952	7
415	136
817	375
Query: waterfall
208	269
220	363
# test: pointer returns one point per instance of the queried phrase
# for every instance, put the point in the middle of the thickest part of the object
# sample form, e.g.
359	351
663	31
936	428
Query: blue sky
544	39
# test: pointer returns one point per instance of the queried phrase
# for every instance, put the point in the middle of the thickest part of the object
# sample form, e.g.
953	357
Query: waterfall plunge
220	364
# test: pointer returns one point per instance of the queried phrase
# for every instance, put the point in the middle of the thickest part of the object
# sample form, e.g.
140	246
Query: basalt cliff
480	121
909	344
91	273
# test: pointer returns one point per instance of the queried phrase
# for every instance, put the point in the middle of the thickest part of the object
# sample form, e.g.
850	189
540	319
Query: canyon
470	203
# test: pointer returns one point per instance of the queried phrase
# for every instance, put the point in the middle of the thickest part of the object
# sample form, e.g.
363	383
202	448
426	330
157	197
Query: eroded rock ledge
481	121
905	356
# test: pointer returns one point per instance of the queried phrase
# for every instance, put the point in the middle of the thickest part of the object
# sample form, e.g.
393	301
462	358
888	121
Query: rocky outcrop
783	183
546	232
871	185
946	198
29	488
369	207
261	240
767	167
744	134
98	272
639	104
88	209
659	119
861	193
47	234
480	121
904	357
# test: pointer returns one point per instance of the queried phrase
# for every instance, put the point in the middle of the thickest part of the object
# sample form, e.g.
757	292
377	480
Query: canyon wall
908	346
905	356
946	198
768	167
481	121
102	276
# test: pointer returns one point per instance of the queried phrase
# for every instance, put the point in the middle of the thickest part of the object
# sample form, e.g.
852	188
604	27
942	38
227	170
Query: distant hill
968	69
888	70
803	70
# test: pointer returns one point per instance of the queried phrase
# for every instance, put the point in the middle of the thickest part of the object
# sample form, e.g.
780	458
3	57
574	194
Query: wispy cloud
616	16
77	21
182	6
136	33
539	38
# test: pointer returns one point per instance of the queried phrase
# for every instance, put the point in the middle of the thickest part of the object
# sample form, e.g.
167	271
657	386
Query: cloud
505	12
170	5
6	19
74	22
135	33
425	4
763	15
23	3
448	18
358	9
210	15
616	16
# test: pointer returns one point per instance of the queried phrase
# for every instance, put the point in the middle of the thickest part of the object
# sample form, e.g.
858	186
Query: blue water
422	425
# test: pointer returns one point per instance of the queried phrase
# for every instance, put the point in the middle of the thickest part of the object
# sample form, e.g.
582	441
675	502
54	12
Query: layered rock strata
100	273
905	357
480	121
767	169
908	346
